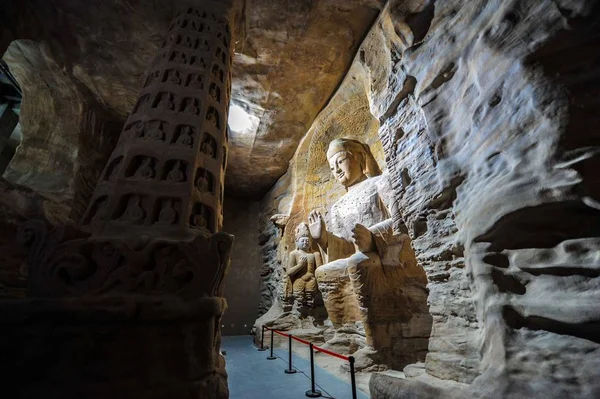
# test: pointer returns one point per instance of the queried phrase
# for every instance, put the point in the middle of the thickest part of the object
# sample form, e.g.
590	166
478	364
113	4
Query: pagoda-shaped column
165	178
129	305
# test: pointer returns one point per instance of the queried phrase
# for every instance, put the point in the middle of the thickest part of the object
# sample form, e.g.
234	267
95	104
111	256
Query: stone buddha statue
301	285
368	266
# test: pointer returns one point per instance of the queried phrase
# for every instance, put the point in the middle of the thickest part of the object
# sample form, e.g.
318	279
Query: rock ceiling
290	57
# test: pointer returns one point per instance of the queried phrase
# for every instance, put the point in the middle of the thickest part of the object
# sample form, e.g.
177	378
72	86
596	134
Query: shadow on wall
242	282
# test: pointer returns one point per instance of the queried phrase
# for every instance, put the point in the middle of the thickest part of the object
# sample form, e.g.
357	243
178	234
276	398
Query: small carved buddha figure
165	102
215	92
191	107
198	61
207	146
179	58
202	183
134	213
196	82
215	71
145	171
167	215
176	174
174	77
301	285
156	132
185	137
198	220
213	117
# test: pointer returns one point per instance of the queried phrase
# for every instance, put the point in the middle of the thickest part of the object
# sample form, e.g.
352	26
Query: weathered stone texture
487	136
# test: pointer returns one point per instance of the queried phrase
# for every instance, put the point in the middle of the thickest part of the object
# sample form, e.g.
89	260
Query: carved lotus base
112	347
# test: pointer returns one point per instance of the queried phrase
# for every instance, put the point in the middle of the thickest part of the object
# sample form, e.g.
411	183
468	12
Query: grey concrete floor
252	376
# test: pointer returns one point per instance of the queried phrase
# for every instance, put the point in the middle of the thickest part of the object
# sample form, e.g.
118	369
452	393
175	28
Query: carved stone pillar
131	305
165	178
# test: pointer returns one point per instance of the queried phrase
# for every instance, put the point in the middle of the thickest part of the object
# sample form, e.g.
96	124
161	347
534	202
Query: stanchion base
313	394
271	357
290	371
262	349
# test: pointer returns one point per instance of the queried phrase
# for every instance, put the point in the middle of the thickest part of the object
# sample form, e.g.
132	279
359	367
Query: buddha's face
346	168
303	243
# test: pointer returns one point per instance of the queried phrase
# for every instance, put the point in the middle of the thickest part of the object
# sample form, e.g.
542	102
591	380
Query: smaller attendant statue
301	285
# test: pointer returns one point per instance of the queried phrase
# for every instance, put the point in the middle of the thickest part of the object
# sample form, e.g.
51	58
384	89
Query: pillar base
112	347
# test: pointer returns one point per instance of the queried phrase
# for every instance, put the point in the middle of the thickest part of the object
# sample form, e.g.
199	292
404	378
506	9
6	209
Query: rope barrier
330	353
312	393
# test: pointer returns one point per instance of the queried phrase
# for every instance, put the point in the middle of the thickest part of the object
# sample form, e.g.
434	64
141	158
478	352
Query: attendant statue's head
351	161
303	239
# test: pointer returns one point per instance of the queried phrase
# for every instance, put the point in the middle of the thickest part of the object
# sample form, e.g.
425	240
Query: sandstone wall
242	282
487	136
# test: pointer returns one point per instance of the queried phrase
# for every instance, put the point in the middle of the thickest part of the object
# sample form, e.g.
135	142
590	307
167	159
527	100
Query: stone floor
252	376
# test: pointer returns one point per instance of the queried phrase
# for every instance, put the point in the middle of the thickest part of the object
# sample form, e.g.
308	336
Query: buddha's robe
355	285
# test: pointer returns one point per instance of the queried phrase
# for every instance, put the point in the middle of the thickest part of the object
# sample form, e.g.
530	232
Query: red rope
330	353
318	349
301	340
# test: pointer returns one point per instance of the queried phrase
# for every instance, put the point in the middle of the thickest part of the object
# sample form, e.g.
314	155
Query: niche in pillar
166	211
209	145
154	130
215	92
165	101
194	81
172	76
184	136
205	181
218	74
131	209
190	106
175	171
213	117
202	217
141	167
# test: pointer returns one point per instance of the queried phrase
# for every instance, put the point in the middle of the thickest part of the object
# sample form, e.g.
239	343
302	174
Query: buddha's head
351	161
303	239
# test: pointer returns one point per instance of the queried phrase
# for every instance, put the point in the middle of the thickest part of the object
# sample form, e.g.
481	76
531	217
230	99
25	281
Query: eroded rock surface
483	110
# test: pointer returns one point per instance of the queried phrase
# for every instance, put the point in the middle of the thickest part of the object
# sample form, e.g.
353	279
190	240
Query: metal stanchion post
262	339
290	370
271	357
352	378
312	393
